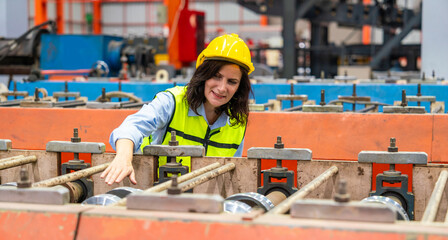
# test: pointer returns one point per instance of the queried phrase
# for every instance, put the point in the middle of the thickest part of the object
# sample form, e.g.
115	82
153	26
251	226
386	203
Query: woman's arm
126	139
121	166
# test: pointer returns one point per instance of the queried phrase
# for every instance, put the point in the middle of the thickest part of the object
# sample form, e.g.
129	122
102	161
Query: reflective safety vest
194	130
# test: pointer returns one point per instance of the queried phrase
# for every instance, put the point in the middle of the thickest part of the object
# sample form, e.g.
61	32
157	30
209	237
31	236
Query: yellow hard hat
230	48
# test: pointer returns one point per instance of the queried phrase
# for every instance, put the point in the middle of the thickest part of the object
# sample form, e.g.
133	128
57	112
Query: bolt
119	88
392	147
66	89
75	138
279	144
24	181
341	192
103	94
419	92
173	141
36	95
322	97
174	189
404	102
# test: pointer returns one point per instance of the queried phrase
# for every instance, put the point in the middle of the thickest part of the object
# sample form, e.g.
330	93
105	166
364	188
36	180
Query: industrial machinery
22	55
218	184
40	52
324	56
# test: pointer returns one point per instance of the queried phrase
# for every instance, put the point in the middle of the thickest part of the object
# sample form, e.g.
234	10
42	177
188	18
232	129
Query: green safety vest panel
194	130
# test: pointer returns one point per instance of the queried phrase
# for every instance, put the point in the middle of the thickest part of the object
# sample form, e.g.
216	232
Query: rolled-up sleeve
151	117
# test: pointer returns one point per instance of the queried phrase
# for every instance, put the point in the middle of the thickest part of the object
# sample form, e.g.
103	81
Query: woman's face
219	89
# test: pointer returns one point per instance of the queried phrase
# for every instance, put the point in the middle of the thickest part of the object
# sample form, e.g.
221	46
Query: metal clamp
81	147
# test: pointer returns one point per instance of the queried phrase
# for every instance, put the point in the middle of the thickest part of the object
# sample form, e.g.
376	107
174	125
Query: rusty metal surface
174	151
420	158
325	108
5	144
71	176
284	206
77	147
424	180
38	104
276	197
17	162
284	153
57	195
15	93
355	98
350	211
143	167
66	94
190	184
186	202
433	205
11	158
245	177
407	109
45	167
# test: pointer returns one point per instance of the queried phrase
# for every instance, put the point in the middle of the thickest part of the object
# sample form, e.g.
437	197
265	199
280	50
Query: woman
212	110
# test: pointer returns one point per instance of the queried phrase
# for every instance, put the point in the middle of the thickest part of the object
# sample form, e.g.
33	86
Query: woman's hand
121	166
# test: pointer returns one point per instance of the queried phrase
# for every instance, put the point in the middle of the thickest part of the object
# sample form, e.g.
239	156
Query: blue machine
74	52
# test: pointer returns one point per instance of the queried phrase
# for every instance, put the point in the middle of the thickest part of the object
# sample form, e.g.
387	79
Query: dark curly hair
237	108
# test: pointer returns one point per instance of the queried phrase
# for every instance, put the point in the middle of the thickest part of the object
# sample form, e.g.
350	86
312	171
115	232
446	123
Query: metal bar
167	184
190	184
71	176
17	162
433	205
10	158
284	206
97	17
60	16
387	48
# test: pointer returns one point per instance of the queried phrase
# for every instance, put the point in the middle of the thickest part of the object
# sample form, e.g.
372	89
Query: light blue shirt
153	118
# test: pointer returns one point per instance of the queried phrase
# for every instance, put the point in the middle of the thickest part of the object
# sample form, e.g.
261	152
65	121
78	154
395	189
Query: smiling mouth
217	95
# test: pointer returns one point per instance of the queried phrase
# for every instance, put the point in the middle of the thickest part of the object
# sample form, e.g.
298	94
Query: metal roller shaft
167	184
284	206
433	205
190	184
276	197
10	158
17	162
71	176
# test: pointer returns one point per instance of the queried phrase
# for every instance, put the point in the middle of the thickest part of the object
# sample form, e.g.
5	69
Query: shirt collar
222	120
